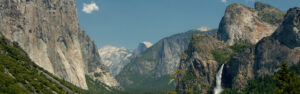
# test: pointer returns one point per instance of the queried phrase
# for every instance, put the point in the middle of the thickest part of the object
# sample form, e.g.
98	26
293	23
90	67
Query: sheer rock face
48	31
243	23
289	32
158	61
143	46
199	65
265	58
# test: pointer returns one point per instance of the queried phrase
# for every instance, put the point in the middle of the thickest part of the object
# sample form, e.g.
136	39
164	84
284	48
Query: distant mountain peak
204	28
142	47
111	48
115	57
155	63
147	44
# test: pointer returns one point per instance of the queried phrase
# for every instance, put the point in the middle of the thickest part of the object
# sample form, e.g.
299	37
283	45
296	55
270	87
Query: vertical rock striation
48	31
199	65
153	66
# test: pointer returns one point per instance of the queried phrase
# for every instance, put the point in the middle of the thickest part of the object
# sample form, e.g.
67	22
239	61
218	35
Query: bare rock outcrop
267	55
198	65
153	66
48	31
244	23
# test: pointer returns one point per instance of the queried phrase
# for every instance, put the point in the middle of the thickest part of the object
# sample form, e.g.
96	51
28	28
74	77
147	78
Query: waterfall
218	89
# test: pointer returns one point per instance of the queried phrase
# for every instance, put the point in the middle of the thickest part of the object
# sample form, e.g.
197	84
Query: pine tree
287	82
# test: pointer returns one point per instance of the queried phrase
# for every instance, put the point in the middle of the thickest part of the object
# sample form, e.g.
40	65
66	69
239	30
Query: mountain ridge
117	57
156	64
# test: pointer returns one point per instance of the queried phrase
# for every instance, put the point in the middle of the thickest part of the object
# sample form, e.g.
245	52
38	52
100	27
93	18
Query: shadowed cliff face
265	58
48	31
199	65
243	23
289	31
153	66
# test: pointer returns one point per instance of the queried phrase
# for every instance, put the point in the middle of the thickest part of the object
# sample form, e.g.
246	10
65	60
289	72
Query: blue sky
128	22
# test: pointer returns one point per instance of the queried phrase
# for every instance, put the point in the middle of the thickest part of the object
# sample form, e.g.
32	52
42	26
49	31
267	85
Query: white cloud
89	8
223	1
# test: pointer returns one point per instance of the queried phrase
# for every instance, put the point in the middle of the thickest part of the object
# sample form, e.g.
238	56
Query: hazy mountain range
116	58
44	50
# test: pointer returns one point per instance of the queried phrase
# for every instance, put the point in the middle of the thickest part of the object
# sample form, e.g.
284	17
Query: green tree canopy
287	82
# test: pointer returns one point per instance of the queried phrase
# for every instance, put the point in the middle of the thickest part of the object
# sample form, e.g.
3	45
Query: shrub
240	45
171	92
97	74
222	55
271	17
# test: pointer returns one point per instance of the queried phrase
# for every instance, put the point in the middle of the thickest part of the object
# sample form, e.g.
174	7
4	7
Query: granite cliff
197	67
153	66
244	23
48	31
267	55
143	46
240	29
19	75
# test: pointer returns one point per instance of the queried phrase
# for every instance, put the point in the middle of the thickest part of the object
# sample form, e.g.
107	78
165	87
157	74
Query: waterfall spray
218	89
